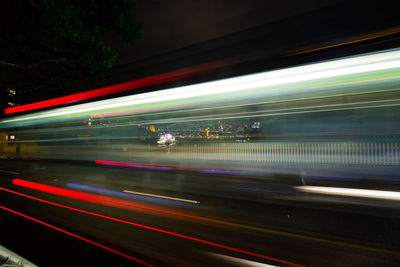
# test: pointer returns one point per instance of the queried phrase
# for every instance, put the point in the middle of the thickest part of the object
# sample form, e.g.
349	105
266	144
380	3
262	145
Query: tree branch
13	65
22	68
57	61
37	64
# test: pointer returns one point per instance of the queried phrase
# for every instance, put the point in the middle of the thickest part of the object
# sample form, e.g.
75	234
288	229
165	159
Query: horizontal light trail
127	86
183	168
79	237
186	111
163	197
209	90
103	200
350	40
135	165
130	194
77	128
351	192
231	224
239	262
222	106
315	108
159	230
9	172
229	172
234	116
368	68
172	167
77	138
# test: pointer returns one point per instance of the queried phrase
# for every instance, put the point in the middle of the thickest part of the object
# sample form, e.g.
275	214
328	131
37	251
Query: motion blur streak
240	262
163	197
323	77
99	199
352	192
234	225
160	230
133	194
351	40
144	82
135	165
172	167
79	237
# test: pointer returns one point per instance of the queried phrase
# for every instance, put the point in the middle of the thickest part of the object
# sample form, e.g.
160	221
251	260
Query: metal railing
10	259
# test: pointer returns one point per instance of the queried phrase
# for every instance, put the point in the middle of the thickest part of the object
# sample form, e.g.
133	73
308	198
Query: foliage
59	44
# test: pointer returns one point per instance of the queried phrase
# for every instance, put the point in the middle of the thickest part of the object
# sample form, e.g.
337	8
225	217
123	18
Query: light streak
210	90
234	116
164	197
321	76
79	237
172	167
352	192
239	262
254	228
103	200
127	86
135	165
76	128
159	230
351	40
10	172
131	193
229	172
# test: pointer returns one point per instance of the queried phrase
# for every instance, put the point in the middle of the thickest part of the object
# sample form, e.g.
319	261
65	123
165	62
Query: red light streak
127	86
130	164
214	171
159	230
77	236
108	201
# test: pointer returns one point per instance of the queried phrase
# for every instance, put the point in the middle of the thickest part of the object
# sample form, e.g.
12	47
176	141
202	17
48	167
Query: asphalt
228	223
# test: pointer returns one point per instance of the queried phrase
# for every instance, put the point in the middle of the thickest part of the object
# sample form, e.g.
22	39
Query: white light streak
352	192
163	197
239	262
255	86
10	172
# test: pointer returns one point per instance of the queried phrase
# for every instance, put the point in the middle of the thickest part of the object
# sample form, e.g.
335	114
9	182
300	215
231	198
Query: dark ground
298	231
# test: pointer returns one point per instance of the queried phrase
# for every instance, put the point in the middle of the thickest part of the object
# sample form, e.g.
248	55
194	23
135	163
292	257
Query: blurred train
328	119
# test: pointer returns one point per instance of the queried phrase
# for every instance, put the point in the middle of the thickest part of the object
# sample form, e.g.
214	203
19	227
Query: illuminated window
12	92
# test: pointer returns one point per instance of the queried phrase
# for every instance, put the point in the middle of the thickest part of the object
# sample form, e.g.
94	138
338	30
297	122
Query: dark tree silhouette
51	47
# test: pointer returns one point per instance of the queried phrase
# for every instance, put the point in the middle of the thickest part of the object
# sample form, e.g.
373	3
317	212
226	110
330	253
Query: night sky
174	24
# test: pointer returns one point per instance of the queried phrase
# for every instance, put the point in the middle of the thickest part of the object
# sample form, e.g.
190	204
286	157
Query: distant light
12	137
352	192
